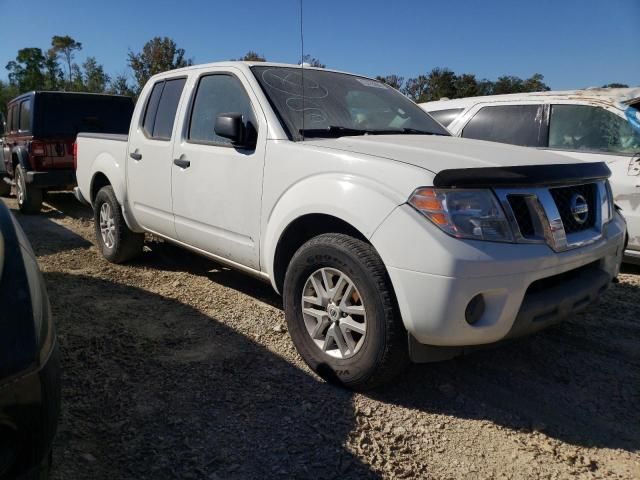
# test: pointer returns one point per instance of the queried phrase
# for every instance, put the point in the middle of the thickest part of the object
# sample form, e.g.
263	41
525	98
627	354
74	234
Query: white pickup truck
388	239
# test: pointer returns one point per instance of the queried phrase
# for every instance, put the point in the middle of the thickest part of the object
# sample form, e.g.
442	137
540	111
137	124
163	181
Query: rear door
217	188
149	159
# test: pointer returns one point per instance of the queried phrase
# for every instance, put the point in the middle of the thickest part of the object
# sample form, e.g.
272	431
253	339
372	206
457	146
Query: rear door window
25	116
587	128
514	124
167	107
161	108
445	117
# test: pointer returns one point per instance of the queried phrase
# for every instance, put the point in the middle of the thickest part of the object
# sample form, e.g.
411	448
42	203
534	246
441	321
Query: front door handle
136	156
182	163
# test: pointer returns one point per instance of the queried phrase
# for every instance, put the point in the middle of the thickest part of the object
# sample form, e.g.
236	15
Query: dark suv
39	134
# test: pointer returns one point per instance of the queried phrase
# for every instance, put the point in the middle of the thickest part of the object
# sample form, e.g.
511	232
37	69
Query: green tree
440	84
54	77
252	56
26	71
157	55
77	85
416	88
120	86
394	81
508	84
95	79
7	92
466	85
64	47
312	61
535	84
615	85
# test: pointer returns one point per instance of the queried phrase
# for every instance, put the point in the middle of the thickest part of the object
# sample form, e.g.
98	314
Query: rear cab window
445	117
161	108
523	125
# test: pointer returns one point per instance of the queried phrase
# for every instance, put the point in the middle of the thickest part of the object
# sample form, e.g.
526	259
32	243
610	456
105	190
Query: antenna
302	66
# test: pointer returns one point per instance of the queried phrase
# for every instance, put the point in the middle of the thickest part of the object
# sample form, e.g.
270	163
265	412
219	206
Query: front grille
522	215
565	201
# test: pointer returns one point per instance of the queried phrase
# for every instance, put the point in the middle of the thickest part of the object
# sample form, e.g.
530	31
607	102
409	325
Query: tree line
55	69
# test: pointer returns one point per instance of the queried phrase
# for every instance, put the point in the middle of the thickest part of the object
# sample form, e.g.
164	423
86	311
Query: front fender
360	202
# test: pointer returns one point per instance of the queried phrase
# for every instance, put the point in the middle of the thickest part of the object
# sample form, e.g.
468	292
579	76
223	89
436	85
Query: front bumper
525	287
52	178
29	411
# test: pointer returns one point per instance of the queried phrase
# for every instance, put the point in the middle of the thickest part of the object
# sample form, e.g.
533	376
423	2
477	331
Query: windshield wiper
336	132
415	131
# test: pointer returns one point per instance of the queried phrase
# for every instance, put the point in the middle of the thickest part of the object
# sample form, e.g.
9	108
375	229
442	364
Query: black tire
126	244
29	197
384	351
5	188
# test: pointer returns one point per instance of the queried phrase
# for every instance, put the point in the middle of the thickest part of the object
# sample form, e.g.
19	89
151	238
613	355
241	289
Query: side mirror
229	125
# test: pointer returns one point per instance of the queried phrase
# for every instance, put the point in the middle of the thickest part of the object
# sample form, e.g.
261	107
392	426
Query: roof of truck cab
610	96
244	64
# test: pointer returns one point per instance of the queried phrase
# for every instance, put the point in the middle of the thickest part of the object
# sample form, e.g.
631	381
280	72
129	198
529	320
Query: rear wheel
115	240
341	312
29	197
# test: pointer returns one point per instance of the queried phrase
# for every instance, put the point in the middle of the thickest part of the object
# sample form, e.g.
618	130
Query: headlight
463	213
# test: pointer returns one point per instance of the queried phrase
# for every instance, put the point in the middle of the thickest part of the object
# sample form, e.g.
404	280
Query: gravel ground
176	367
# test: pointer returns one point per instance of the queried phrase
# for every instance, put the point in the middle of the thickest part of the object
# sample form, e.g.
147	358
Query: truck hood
437	153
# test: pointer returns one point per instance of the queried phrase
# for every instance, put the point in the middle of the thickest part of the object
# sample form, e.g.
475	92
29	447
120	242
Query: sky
573	43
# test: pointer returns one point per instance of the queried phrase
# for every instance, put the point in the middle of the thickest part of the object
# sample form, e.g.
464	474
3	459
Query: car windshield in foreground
338	104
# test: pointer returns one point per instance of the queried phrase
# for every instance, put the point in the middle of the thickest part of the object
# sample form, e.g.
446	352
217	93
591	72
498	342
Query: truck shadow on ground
153	388
578	382
46	235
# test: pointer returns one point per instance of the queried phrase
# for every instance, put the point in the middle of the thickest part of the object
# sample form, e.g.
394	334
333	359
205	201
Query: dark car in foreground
40	131
29	359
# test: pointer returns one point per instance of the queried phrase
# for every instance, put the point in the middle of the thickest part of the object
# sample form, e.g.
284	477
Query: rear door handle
182	163
136	156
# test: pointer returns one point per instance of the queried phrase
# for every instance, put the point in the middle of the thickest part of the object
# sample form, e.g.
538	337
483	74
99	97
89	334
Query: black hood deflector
522	175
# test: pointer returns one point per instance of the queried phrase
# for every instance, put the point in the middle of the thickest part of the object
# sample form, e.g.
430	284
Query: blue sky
572	43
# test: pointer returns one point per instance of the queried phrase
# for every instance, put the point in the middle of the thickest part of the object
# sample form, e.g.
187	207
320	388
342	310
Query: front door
149	158
217	188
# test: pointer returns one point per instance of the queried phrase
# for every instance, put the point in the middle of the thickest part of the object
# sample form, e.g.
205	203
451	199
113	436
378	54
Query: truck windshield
338	104
67	114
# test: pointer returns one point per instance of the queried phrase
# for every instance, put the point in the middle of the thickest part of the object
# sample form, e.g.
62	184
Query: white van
597	124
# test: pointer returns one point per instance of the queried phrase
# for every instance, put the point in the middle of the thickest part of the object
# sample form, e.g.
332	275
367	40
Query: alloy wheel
334	313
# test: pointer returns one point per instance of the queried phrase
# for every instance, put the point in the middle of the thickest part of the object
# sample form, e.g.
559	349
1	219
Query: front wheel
341	312
29	197
116	241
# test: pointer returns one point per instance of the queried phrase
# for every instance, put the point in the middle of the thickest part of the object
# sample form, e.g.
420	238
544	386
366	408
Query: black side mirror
230	125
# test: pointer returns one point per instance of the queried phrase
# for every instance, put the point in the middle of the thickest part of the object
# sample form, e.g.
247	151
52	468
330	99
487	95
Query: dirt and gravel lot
176	367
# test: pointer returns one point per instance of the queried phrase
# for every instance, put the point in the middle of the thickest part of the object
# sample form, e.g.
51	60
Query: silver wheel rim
19	188
107	225
334	313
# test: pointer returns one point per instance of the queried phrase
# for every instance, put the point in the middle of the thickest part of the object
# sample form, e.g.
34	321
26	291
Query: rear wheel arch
98	181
